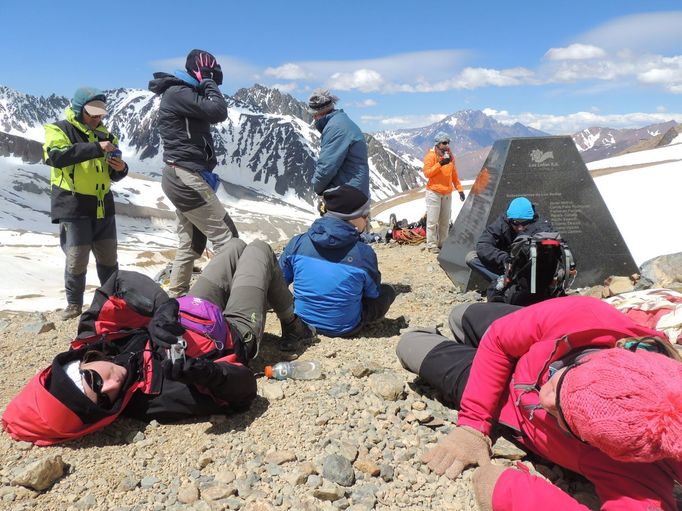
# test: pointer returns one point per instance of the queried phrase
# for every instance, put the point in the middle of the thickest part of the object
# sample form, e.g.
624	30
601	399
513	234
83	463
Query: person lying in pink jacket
572	380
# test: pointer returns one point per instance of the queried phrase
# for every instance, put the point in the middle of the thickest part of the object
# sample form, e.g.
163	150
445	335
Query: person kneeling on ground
337	283
120	363
493	249
572	380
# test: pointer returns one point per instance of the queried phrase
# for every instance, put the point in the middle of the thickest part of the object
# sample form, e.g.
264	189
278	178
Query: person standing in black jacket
190	103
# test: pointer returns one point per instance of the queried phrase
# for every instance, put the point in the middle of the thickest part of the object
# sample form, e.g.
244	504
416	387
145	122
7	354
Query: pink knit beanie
628	405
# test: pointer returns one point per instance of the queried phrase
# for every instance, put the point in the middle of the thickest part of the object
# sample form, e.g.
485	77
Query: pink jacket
512	363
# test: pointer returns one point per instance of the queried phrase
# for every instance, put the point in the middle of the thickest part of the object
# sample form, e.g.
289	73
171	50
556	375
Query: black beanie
191	62
346	202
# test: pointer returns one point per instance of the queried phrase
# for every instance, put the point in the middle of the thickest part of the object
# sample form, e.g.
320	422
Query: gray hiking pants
438	212
77	238
242	280
200	216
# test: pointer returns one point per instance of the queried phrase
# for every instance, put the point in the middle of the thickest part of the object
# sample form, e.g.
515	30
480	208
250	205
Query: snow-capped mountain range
600	143
266	151
267	143
473	133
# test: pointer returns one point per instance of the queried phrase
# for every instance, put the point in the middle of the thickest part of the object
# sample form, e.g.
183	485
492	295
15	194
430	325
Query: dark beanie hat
191	64
346	202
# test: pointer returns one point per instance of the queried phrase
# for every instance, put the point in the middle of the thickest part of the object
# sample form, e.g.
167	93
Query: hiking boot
295	334
434	250
73	310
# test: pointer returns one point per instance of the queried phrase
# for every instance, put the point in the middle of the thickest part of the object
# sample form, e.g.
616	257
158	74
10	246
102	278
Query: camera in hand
116	153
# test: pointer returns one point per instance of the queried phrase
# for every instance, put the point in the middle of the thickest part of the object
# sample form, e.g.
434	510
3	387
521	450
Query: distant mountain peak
272	101
471	132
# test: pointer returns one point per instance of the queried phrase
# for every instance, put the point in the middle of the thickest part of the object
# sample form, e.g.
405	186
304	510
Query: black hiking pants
445	363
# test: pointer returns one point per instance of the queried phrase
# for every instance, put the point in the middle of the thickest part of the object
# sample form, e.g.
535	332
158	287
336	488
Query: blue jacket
332	270
343	154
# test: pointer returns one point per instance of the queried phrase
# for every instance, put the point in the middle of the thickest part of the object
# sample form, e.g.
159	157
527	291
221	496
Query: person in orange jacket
441	171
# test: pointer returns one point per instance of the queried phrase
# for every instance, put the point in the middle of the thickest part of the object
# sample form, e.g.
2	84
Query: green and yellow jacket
81	176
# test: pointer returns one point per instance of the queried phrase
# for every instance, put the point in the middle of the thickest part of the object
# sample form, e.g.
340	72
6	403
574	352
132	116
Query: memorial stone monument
551	173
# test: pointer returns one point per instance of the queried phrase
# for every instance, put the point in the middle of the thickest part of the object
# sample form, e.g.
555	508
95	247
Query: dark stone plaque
551	173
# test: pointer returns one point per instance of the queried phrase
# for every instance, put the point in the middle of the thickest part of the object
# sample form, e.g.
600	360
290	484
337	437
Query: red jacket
120	310
510	366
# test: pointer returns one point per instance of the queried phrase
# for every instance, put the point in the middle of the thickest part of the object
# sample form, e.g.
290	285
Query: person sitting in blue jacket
343	150
337	283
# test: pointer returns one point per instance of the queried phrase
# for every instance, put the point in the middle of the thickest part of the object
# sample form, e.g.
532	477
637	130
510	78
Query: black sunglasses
521	223
444	143
95	382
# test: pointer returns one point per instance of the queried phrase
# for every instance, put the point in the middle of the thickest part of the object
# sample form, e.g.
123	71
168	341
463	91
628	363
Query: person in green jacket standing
84	158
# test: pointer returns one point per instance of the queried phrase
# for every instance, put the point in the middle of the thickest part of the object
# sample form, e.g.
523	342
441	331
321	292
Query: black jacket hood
163	81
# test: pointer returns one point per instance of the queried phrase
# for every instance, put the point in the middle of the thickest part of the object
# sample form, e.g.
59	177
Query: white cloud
404	72
575	51
287	72
365	103
648	69
472	78
646	32
571	123
365	80
666	72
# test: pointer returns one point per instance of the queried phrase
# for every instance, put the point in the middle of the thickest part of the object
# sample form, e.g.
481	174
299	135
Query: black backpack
542	266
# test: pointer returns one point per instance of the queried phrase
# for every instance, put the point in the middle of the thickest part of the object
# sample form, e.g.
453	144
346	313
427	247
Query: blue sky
557	66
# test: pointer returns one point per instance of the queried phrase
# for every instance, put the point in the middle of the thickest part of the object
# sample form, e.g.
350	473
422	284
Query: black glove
218	75
207	68
462	197
164	327
445	160
206	73
191	370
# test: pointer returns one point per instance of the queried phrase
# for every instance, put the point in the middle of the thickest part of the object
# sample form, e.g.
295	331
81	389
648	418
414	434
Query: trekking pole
533	267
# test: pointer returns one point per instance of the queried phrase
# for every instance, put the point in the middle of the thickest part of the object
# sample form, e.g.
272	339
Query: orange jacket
441	178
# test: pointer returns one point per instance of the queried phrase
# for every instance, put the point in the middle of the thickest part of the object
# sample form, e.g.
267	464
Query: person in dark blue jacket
337	283
343	150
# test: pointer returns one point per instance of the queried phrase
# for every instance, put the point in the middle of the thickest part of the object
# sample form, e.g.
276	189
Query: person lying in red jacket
121	362
572	380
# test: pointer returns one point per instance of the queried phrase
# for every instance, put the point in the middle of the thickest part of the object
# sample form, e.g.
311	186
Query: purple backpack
205	318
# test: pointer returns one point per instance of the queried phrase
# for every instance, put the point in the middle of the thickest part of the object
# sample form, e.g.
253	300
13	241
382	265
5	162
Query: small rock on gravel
338	469
41	474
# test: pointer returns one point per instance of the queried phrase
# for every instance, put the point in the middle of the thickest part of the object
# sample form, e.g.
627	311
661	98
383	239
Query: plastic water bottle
296	369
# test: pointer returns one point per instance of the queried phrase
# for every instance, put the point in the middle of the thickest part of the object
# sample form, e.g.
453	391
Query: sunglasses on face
95	382
520	223
445	143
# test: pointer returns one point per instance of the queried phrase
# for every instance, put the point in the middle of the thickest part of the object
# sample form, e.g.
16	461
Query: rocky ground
351	440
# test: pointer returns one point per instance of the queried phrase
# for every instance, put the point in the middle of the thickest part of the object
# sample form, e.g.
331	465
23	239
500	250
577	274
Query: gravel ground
351	440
